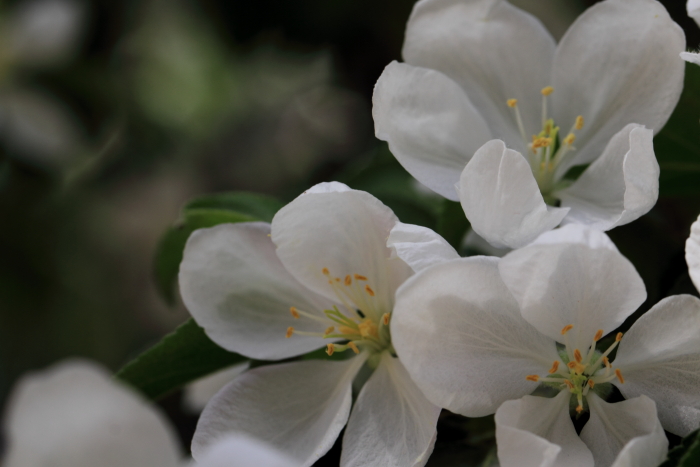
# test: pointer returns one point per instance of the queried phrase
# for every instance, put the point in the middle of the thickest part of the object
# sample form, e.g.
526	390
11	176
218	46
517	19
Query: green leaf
452	223
260	207
677	146
686	454
180	358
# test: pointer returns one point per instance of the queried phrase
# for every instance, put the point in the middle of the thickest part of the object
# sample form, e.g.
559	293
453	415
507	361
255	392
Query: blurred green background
114	114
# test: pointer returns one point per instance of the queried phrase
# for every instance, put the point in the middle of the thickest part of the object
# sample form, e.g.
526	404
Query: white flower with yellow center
320	276
477	334
489	111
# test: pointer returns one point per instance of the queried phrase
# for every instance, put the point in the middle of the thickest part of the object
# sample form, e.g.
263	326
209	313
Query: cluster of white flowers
474	113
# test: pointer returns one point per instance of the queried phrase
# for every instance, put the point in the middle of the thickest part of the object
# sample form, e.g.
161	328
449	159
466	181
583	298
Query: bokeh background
114	113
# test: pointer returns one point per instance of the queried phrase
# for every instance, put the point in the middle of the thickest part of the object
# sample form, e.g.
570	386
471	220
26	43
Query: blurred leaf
180	358
687	454
202	212
677	146
452	223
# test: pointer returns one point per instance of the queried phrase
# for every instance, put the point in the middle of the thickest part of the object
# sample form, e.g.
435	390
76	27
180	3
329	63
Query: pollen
579	123
353	347
290	331
547	91
569	384
598	335
618	373
555	367
618	338
567	328
577	356
533	378
348	280
606	361
346	330
385	319
358	277
570	138
330	349
325	271
579	409
329	330
368	328
591	383
294	312
512	103
369	290
337	279
541	142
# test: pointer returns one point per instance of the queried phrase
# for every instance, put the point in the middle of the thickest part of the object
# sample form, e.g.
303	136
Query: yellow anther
555	367
330	349
512	103
618	338
346	330
579	122
533	378
353	347
348	280
618	373
294	312
567	328
547	90
369	290
576	366
577	356
360	278
337	279
598	335
591	383
329	330
571	364
579	409
325	271
541	142
368	328
385	319
290	331
570	138
569	384
606	361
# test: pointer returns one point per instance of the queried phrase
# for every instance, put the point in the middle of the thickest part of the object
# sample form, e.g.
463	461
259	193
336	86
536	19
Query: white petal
493	50
617	64
243	451
346	233
298	408
431	125
692	253
627	430
501	198
328	187
476	242
693	8
235	287
460	335
660	357
75	415
619	186
561	284
419	247
691	57
576	234
392	423
197	394
537	432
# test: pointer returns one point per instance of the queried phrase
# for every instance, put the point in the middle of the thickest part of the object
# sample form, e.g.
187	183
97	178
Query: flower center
360	321
578	373
547	148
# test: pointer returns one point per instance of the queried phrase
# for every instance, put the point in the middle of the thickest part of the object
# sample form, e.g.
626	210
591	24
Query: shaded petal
197	394
392	423
501	198
617	64
660	357
576	234
475	242
691	57
692	253
346	233
243	451
236	288
537	432
493	50
619	186
419	247
75	415
460	335
298	408
431	126
693	8
571	283
627	431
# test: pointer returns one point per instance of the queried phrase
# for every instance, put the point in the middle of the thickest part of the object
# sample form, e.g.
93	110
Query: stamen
330	349
533	378
579	408
385	319
541	142
569	384
360	278
618	373
348	280
577	356
591	383
325	271
294	312
353	347
513	104
555	367
567	328
547	90
347	330
579	123
618	337
329	330
290	331
337	279
369	290
569	140
368	329
598	335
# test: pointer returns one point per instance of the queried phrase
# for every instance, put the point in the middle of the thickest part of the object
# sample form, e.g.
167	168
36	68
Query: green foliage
202	212
181	357
687	454
452	223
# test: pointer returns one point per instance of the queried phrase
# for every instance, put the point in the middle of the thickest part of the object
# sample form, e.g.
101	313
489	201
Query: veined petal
297	408
243	451
692	253
557	285
74	414
236	288
419	247
537	432
197	394
693	8
331	236
460	335
626	433
431	126
619	186
493	50
501	198
576	234
617	64
392	423
660	357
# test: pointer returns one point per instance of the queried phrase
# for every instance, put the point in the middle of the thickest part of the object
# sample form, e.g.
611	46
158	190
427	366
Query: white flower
477	332
242	451
321	275
480	70
692	253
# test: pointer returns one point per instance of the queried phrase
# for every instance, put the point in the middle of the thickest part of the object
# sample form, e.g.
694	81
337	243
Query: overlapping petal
460	335
492	49
617	64
198	393
298	408
501	199
563	284
692	253
242	451
660	357
419	247
392	423
430	124
618	187
236	288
